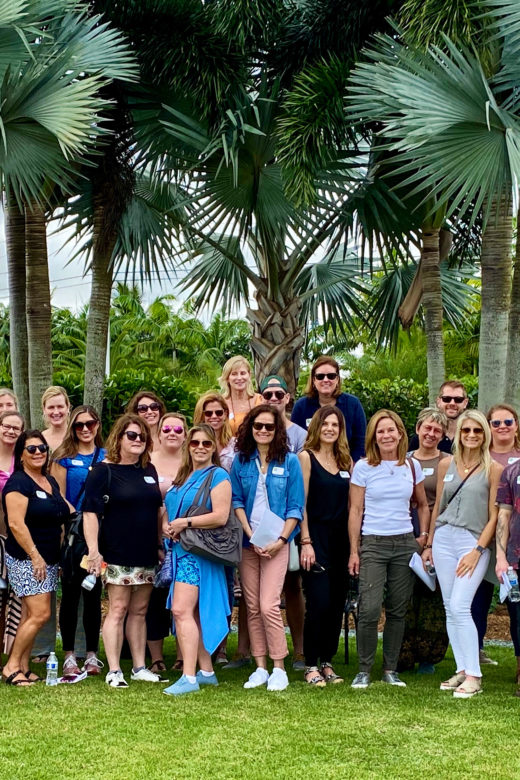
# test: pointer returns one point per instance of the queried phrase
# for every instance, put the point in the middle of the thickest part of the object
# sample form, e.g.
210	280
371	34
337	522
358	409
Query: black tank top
327	513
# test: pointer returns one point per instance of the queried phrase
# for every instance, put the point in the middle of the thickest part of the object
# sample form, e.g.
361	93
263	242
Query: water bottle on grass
52	670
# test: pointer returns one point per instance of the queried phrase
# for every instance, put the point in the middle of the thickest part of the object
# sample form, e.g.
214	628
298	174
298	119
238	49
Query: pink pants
262	584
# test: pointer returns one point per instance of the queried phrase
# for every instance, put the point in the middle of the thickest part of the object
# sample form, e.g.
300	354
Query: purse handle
204	490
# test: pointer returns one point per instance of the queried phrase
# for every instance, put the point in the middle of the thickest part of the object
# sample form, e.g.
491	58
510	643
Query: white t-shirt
259	504
388	490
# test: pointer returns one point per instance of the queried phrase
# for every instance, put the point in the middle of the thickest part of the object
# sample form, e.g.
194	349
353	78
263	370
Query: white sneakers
117	680
145	675
277	681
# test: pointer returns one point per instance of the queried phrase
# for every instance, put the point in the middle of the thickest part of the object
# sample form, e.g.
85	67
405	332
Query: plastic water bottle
514	593
52	670
89	581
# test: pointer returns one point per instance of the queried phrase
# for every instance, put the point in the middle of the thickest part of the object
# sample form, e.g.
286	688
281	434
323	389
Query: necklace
469	466
389	466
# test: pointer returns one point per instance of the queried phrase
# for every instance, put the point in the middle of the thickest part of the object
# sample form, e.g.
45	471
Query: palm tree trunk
495	260
512	392
277	339
432	303
38	309
18	343
99	311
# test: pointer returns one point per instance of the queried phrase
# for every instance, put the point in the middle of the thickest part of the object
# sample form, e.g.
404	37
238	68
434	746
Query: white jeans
449	545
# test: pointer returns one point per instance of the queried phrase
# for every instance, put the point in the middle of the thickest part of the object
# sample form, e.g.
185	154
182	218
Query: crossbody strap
462	484
93	463
412	469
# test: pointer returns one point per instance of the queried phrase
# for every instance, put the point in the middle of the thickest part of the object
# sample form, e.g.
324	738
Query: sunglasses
259	426
33	448
12	428
278	394
174	428
133	436
153	407
321	377
458	399
89	425
477	431
206	443
215	412
495	423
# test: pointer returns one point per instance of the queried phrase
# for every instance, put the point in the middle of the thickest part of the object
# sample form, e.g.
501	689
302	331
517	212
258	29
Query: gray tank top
469	508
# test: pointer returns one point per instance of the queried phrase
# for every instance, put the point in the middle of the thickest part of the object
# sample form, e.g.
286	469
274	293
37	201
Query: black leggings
325	595
71	594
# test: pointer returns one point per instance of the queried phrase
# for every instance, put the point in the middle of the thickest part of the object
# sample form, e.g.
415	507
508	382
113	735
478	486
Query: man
508	545
274	392
452	400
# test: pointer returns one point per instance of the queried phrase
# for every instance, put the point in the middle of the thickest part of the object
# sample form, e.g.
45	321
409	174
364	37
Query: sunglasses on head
206	443
133	436
458	399
497	423
467	429
32	448
89	425
174	428
215	412
269	394
321	377
258	426
153	407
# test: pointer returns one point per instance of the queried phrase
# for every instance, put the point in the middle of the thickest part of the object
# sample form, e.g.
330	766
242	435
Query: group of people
348	501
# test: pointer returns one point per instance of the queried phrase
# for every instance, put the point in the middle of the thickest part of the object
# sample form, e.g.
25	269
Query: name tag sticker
448	478
150	480
512	460
308	422
77	463
41	494
161	479
344	474
518	480
427	472
278	471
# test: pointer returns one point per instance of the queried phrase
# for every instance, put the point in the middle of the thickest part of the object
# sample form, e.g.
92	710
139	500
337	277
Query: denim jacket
285	490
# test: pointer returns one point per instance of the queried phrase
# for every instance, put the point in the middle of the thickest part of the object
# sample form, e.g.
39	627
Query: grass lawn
89	731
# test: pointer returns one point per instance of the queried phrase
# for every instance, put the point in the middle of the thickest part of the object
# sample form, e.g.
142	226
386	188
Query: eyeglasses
133	436
216	412
32	448
174	428
206	443
89	425
278	394
495	423
258	426
458	399
153	407
12	428
477	431
321	377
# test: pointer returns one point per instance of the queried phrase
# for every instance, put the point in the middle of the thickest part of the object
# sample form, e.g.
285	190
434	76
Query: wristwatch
479	548
189	523
283	539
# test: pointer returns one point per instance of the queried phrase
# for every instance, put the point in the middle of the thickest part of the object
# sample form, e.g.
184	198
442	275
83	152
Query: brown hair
511	410
113	443
453	383
20	446
131	407
246	444
225	434
186	467
432	413
340	449
10	413
323	360
69	445
371	445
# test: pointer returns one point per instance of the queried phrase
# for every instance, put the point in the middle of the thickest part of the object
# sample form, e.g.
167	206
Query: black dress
325	590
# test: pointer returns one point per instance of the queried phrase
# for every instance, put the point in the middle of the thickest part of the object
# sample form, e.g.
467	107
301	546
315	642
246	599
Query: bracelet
283	539
307	541
424	533
427	547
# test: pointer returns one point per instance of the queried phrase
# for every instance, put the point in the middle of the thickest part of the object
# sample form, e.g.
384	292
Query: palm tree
512	394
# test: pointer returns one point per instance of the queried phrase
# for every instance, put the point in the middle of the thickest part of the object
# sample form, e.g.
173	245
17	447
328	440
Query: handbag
164	574
221	545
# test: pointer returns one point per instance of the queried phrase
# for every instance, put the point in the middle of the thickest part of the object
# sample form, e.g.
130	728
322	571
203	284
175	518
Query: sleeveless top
469	508
430	467
327	513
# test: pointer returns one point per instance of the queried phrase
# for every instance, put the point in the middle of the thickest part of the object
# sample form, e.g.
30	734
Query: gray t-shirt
296	438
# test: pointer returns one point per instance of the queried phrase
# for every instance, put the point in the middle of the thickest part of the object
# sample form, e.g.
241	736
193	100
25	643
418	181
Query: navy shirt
355	420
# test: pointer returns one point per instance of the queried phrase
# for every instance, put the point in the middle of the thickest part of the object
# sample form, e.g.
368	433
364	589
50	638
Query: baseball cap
279	381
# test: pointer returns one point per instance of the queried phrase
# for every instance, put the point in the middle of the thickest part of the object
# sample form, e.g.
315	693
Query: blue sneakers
183	685
204	680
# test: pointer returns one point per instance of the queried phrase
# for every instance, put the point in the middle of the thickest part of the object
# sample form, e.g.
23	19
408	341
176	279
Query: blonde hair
186	466
178	416
323	360
371	445
340	448
113	443
229	366
224	434
53	391
432	413
485	459
495	408
10	393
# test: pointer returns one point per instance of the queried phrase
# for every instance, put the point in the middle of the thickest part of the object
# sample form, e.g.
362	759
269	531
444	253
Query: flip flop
157	666
24	682
40	659
33	677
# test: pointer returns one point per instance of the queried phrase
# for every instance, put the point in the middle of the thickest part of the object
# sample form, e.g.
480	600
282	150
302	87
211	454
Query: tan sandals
468	689
453	683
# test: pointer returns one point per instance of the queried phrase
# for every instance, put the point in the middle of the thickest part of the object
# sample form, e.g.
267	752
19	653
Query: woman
237	390
80	450
462	528
167	460
129	540
425	639
265	476
35	512
324	388
8	400
198	595
150	407
381	488
326	466
212	409
56	408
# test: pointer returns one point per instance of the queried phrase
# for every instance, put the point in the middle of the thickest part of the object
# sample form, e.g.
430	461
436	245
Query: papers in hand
505	587
416	565
269	529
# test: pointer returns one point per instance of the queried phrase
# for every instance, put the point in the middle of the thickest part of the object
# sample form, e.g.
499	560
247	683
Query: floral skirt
129	575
